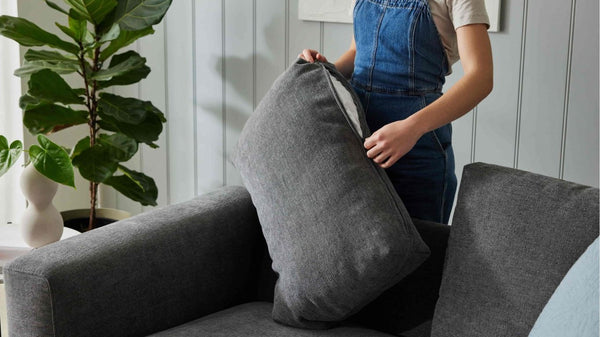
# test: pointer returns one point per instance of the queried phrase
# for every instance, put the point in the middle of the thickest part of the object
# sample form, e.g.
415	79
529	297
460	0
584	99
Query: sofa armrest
141	275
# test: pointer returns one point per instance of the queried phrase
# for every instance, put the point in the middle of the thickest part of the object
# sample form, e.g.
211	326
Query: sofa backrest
514	236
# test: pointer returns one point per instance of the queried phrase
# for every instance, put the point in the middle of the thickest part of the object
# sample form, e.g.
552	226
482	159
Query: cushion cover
336	229
573	308
514	236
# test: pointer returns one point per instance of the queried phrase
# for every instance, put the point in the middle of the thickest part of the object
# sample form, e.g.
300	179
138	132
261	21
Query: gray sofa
201	268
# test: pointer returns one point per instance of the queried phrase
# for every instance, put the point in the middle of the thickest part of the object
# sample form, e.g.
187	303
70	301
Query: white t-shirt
451	14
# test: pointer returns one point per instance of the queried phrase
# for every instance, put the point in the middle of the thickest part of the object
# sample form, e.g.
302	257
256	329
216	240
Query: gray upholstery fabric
337	231
407	308
254	320
514	236
145	274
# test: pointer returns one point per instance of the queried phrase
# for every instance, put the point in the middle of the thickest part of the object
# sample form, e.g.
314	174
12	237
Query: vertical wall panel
497	114
270	44
239	76
209	94
581	152
302	34
154	161
180	101
336	39
543	93
215	59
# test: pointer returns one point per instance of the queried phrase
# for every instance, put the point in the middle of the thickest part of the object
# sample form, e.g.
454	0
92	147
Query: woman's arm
345	64
476	58
394	140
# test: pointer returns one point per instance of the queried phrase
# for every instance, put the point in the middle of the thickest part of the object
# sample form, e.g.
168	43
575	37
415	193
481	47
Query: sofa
202	268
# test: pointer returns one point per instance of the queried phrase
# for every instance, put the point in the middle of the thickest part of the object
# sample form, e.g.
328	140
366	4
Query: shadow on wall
242	79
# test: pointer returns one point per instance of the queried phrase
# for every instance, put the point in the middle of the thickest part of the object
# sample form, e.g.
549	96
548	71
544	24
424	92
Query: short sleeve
352	7
466	12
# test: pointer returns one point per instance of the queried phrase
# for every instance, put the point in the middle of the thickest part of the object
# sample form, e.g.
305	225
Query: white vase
41	222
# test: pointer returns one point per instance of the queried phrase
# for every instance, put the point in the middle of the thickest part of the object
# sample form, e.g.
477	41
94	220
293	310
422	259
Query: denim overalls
400	68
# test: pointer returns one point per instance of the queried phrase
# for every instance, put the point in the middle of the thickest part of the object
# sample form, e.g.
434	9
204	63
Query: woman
398	59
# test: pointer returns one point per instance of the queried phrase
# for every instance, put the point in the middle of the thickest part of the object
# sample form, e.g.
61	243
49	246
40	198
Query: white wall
542	115
212	61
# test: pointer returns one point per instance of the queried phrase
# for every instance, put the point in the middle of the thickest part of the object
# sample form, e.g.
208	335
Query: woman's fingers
312	55
374	152
381	158
389	162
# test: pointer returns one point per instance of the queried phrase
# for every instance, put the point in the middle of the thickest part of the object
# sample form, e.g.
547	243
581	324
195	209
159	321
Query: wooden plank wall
212	61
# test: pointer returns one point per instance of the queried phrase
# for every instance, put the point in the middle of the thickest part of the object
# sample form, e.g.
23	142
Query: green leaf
92	10
95	163
139	14
36	60
81	145
131	76
125	38
27	102
50	56
30	67
135	185
111	35
78	27
125	63
9	155
68	31
147	131
120	147
126	110
56	7
52	161
44	117
28	34
48	86
135	118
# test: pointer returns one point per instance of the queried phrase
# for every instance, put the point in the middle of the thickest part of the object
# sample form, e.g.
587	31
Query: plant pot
78	219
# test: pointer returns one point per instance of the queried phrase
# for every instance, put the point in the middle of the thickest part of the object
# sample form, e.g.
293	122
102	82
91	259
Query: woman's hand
311	56
388	144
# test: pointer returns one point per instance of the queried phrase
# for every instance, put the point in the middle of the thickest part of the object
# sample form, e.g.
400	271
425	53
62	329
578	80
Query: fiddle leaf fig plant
94	33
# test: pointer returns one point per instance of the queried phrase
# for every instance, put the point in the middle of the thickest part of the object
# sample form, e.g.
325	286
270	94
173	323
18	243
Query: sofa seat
253	319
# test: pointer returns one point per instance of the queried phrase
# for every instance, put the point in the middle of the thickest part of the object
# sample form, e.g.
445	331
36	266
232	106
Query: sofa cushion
573	308
336	229
514	236
254	320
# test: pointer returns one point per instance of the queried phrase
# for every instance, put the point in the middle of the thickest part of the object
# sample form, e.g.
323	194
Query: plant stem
93	192
92	105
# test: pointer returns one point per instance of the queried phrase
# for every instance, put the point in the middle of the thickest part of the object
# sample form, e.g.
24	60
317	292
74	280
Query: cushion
514	236
336	229
573	308
253	319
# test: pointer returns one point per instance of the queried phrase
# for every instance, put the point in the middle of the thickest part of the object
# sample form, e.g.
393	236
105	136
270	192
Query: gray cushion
514	236
337	231
254	320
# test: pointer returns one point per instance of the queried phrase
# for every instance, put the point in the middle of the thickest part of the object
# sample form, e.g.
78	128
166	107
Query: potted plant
117	125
